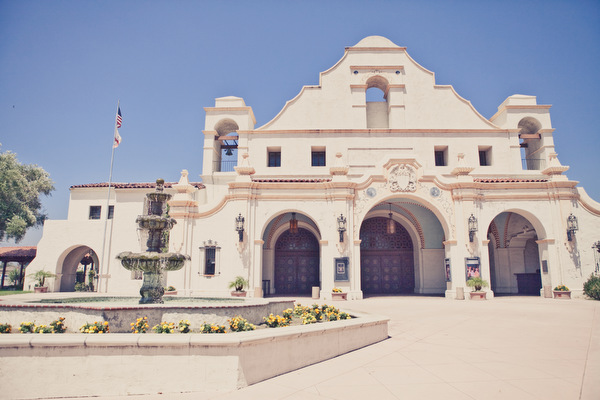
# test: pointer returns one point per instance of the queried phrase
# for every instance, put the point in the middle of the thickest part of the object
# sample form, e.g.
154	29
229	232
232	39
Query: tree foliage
20	189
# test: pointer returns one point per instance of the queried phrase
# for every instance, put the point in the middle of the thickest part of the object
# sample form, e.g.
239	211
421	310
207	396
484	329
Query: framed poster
447	269
341	269
472	266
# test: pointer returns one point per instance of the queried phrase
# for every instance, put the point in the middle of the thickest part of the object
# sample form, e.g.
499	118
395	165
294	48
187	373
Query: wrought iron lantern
391	225
239	226
341	222
293	224
472	227
596	246
572	226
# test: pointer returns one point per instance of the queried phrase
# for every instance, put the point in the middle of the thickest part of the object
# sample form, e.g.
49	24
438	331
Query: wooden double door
386	260
387	273
296	263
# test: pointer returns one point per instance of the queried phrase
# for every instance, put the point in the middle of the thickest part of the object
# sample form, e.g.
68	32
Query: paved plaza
505	348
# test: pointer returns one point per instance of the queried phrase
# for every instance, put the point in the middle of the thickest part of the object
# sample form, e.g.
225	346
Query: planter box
170	293
561	294
238	294
339	296
477	295
40	289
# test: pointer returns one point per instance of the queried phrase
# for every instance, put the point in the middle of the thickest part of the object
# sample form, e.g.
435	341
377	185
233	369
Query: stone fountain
154	226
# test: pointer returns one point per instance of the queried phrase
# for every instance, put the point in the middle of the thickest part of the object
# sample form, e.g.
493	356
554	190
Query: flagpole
112	158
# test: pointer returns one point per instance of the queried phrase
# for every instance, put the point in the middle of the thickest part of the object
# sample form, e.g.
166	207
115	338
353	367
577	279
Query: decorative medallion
371	192
402	178
434	191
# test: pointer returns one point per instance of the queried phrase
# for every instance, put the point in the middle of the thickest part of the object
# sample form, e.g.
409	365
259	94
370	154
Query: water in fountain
155	225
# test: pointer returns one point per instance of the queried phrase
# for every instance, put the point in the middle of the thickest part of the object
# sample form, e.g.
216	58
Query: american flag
119	118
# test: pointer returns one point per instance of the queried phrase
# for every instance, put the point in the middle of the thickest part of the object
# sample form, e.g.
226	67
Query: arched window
377	105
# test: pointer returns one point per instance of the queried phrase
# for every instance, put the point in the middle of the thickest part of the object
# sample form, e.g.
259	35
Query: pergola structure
21	255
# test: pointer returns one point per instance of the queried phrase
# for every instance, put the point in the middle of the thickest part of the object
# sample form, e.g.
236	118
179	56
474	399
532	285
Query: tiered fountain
154	226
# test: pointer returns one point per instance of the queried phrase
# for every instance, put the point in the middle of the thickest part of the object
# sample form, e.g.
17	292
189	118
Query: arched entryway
75	260
386	259
515	266
296	263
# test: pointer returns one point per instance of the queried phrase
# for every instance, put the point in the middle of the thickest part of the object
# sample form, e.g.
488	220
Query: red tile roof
147	185
508	180
292	180
18	252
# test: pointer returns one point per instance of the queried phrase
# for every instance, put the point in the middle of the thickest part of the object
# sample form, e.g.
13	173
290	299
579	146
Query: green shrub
5	328
591	288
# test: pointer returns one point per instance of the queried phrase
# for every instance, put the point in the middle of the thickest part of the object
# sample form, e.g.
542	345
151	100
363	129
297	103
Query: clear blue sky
64	65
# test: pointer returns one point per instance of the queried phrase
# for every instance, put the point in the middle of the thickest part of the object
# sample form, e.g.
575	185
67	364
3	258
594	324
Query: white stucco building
406	174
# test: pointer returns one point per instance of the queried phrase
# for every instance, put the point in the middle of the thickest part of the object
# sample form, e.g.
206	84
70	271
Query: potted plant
238	284
40	277
561	292
337	294
170	290
477	283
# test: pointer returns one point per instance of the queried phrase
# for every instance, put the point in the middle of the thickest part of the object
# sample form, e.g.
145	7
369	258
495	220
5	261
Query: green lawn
7	292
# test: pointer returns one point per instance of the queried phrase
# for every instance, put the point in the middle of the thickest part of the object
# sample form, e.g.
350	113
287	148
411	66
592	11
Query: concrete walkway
505	348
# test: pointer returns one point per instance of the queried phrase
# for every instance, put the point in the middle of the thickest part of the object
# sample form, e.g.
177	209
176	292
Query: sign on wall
341	269
472	266
447	269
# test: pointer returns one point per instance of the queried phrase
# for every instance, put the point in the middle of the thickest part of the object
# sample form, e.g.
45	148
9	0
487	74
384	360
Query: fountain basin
120	317
152	261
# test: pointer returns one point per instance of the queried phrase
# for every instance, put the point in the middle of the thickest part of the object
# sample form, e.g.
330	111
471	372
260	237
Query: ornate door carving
296	263
386	261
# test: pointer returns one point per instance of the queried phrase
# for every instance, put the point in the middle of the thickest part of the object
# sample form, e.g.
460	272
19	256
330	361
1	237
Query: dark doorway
296	263
386	260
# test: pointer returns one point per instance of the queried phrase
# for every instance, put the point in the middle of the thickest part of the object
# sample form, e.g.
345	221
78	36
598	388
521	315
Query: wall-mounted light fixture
596	246
572	226
341	221
472	227
391	225
239	226
293	224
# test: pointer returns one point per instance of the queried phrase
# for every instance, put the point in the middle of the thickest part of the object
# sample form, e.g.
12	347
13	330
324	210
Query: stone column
484	267
257	268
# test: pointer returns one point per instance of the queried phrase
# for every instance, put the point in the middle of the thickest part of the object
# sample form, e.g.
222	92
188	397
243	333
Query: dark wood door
296	263
386	260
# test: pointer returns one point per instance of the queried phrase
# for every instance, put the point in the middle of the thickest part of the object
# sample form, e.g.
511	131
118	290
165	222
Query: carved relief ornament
402	178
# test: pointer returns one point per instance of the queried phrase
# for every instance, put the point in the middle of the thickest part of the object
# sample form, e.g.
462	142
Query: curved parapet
587	202
339	100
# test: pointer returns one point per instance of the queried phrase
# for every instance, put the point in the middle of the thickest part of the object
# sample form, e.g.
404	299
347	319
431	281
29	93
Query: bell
228	152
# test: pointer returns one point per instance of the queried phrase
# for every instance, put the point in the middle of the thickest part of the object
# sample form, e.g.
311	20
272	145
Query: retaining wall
121	364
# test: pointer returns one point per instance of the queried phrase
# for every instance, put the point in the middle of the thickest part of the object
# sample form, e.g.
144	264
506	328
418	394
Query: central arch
386	259
296	263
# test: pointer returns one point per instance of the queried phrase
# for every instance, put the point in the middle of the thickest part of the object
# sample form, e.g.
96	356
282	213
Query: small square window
95	212
441	156
274	159
485	156
318	158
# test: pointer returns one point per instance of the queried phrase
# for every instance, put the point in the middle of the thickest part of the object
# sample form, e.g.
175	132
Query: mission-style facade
410	194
